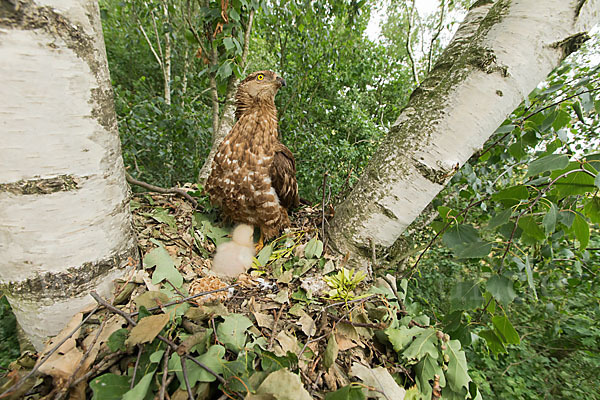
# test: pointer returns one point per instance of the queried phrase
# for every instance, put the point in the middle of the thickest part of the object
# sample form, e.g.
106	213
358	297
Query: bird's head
258	87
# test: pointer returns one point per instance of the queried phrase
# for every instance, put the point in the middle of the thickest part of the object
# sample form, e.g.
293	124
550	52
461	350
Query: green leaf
505	128
473	250
582	231
597	181
264	255
457	374
507	331
224	70
512	193
156	356
165	267
269	362
466	296
331	352
550	218
402	336
425	371
232	331
592	210
548	163
161	215
213	358
116	341
562	119
516	150
110	387
314	248
139	391
529	273
425	342
228	42
531	228
459	235
346	393
501	288
573	184
500	218
577	108
493	341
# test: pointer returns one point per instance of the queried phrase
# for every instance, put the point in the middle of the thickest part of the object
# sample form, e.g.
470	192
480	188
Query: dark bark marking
61	183
73	282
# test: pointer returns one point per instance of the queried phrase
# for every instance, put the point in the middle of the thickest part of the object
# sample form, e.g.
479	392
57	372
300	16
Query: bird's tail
235	257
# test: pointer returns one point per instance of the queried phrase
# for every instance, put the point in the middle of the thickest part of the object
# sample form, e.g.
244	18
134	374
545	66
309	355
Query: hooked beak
281	81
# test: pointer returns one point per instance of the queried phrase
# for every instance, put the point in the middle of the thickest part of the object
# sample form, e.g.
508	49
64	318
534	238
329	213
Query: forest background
347	82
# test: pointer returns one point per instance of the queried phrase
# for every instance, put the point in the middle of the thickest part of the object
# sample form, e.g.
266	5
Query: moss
572	43
62	183
72	282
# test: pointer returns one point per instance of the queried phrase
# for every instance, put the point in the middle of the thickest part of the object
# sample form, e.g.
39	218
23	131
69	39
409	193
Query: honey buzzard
253	176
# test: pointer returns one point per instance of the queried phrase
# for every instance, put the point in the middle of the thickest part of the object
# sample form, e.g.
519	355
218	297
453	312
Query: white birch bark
65	224
500	53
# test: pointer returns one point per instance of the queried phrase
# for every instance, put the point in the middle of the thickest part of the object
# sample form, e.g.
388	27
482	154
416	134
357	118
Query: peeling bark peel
65	225
498	55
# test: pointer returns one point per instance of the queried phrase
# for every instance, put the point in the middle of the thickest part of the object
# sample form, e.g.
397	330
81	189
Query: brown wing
283	177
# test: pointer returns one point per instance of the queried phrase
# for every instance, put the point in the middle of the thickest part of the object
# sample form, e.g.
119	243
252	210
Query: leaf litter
280	332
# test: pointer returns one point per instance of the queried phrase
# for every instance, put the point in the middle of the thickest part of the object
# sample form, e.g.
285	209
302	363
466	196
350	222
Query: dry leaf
264	320
308	325
147	329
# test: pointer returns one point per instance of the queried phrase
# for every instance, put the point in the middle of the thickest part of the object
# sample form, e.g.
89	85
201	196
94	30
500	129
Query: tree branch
158	189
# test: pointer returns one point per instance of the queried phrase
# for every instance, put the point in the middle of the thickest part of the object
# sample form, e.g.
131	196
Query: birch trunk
500	53
65	224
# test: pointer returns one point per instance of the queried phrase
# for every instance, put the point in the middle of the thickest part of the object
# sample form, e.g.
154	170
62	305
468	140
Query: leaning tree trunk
499	54
65	224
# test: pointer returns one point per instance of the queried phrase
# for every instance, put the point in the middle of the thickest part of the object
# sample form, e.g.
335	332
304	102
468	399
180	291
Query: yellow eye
260	77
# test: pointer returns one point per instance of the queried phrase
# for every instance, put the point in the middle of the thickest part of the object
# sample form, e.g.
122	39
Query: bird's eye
260	77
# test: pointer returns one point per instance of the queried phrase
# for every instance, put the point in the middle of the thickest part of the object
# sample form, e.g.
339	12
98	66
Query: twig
345	320
438	30
185	378
107	362
408	34
150	44
47	356
309	342
68	385
175	288
163	386
274	330
323	206
342	303
169	342
186	299
135	367
158	189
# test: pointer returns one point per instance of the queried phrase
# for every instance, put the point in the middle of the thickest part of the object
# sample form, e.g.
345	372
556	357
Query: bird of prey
253	176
